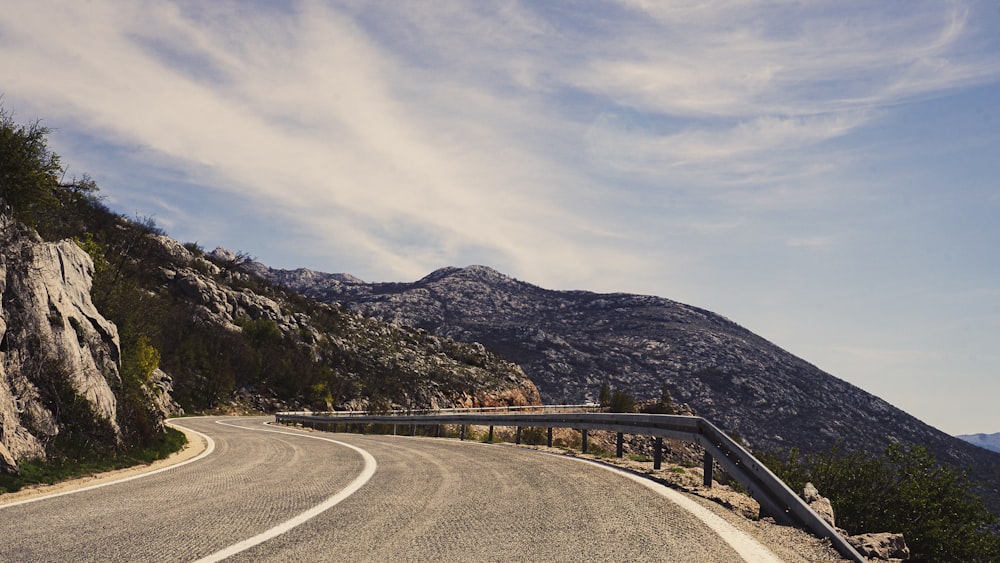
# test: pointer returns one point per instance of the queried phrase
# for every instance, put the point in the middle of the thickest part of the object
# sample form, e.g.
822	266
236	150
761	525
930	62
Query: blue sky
823	173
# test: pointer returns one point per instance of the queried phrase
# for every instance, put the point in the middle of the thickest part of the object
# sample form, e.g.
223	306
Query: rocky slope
57	352
569	342
364	362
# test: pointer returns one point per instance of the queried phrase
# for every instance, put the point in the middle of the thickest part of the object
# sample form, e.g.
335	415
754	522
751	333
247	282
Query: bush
621	402
904	491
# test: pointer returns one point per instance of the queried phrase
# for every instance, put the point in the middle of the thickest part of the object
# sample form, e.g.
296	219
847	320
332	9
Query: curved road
280	494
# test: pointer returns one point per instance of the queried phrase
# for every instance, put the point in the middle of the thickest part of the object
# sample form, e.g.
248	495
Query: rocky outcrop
883	546
52	338
569	342
820	504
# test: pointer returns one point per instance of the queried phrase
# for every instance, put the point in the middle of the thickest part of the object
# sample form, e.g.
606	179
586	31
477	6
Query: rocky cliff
569	342
56	349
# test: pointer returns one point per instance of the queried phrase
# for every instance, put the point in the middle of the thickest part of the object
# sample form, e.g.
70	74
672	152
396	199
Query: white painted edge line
747	547
366	474
172	422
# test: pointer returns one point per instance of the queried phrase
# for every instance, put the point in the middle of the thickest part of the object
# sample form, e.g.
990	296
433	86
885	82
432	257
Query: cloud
419	135
810	241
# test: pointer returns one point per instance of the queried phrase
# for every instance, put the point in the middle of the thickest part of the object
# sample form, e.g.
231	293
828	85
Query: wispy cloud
754	156
466	128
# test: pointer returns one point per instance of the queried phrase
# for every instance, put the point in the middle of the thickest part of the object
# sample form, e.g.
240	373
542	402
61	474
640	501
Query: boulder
884	546
820	504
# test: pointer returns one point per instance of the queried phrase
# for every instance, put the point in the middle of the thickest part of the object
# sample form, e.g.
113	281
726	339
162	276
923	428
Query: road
278	494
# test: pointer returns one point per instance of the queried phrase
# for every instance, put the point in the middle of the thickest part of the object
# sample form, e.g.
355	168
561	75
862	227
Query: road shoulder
196	444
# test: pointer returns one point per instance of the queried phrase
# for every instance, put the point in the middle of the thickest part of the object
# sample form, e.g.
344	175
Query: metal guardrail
775	498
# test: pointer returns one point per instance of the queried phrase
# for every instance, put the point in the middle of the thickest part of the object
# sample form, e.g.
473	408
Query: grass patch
599	452
640	458
55	470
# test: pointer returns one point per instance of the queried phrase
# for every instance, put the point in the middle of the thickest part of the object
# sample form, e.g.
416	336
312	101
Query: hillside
569	342
107	325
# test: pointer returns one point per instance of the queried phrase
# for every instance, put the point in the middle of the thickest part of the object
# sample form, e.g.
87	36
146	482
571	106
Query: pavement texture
428	500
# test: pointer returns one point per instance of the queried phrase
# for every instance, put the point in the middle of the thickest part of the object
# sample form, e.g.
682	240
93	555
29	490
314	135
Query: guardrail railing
775	498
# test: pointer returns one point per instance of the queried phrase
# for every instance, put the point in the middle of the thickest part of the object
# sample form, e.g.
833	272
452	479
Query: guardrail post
583	440
517	435
462	433
707	467
658	452
549	441
619	450
490	439
437	431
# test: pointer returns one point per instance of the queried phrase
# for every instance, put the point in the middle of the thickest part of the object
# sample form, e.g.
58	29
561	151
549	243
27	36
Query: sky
824	173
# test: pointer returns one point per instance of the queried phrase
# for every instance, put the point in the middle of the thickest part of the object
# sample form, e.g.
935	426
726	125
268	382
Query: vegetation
616	400
90	461
906	491
665	404
32	181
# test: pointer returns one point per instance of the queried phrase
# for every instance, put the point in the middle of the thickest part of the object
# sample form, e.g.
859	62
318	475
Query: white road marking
172	422
749	549
366	474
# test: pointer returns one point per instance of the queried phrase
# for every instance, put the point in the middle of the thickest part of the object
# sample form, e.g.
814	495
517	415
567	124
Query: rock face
569	342
820	504
51	336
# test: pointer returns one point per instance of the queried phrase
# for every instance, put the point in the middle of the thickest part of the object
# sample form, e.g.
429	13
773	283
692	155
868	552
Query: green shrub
621	402
905	491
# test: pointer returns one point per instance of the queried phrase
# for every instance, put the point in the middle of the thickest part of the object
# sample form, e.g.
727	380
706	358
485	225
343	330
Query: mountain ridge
988	441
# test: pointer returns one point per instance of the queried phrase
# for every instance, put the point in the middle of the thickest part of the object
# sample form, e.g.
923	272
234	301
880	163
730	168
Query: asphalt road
279	494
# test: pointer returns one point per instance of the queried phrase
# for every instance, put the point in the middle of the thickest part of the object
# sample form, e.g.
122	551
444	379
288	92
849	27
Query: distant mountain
988	441
569	342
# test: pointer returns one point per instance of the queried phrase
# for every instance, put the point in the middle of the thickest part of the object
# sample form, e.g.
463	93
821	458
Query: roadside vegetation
83	462
907	491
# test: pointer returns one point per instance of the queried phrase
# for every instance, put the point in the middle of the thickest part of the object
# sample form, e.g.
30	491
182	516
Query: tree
621	402
31	182
605	396
29	171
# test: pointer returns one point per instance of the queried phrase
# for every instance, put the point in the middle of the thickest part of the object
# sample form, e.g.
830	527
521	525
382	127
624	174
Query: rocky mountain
988	441
362	362
570	342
